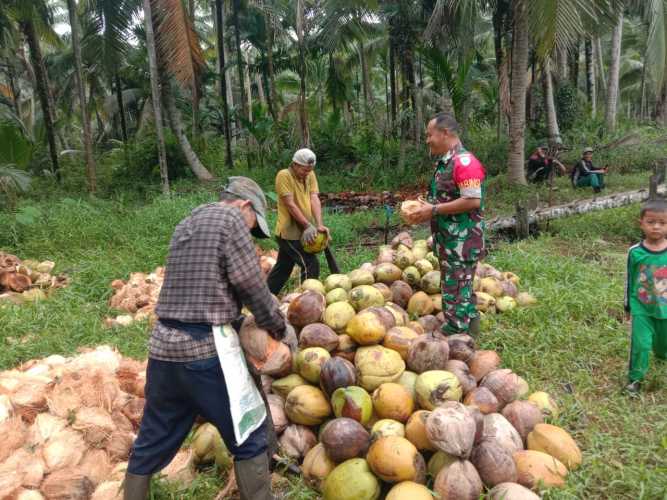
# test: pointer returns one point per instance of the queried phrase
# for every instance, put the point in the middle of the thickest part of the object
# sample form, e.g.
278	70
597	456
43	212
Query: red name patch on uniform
468	174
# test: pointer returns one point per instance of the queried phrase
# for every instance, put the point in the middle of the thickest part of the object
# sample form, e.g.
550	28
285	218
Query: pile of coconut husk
137	297
67	426
27	280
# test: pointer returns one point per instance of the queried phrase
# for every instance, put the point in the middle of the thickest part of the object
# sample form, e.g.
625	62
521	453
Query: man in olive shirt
299	220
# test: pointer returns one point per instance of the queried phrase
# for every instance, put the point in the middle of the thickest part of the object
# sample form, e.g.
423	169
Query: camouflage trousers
458	297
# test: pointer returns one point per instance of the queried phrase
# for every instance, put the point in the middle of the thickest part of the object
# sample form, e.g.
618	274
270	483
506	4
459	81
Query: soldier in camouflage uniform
454	208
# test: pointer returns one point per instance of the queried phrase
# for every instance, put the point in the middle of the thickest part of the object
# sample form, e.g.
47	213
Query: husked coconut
30	398
430	324
504	383
278	416
297	440
459	481
134	410
461	347
67	484
451	428
344	438
427	352
28	495
462	372
484	399
494	463
266	354
512	491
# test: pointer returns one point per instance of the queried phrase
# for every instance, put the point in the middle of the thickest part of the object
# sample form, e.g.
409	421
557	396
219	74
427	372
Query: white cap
304	157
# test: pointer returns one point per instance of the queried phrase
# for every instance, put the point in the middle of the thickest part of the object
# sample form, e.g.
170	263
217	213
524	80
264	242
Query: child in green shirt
646	292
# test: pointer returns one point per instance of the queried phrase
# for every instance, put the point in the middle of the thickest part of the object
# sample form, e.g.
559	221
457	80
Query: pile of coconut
137	297
67	426
377	403
27	280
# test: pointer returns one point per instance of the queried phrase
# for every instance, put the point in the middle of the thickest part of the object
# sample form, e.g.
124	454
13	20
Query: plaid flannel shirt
212	270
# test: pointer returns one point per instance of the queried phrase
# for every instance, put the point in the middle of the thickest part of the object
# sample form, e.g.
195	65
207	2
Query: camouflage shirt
460	237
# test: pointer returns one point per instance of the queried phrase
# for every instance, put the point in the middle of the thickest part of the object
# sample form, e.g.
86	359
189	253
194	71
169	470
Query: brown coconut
496	427
13	434
278	416
385	316
400	315
307	308
479	422
395	459
268	355
524	416
134	411
451	428
429	323
297	440
120	445
494	463
316	466
15	282
427	352
461	347
384	290
95	424
399	339
484	399
537	470
64	449
318	335
67	484
512	491
482	363
462	372
337	372
30	465
401	293
458	481
181	469
415	431
121	422
392	400
96	466
504	383
344	438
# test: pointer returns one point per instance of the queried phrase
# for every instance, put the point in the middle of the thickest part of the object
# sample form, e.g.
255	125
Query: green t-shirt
646	282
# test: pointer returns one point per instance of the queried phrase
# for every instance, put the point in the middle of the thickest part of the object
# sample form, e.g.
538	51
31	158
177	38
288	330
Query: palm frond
11	178
112	19
178	43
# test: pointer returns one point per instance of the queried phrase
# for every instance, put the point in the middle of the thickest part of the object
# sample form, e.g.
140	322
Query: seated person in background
540	165
585	174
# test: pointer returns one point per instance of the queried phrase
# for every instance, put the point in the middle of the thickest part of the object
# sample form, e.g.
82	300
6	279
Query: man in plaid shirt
212	270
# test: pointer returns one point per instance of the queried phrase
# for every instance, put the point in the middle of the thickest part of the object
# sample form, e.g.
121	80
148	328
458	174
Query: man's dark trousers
291	252
175	394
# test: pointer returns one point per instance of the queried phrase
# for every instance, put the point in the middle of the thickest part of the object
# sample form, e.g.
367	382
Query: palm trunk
42	84
273	96
614	70
121	107
220	31
229	73
176	123
247	81
591	87
549	104
78	77
574	65
661	104
597	54
303	117
155	96
239	57
392	83
260	89
520	49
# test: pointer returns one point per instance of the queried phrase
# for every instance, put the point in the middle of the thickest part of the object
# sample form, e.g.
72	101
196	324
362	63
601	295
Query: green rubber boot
475	327
253	478
136	487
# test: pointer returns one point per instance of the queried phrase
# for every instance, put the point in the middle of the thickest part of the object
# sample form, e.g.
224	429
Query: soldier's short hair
659	206
446	121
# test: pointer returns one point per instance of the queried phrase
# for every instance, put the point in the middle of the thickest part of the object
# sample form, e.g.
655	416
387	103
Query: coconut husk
121	422
95	424
6	408
99	391
67	484
13	433
127	374
10	483
8	261
103	358
119	445
10	381
28	495
109	490
30	399
45	426
134	411
96	466
139	387
63	450
30	465
181	469
118	471
65	398
15	282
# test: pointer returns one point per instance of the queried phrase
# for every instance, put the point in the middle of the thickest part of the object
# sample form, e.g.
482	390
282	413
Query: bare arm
295	211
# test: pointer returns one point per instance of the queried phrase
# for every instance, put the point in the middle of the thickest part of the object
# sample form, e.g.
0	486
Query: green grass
573	344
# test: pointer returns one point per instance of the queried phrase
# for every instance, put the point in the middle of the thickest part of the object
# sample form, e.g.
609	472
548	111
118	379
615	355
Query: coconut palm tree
85	121
614	73
219	8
